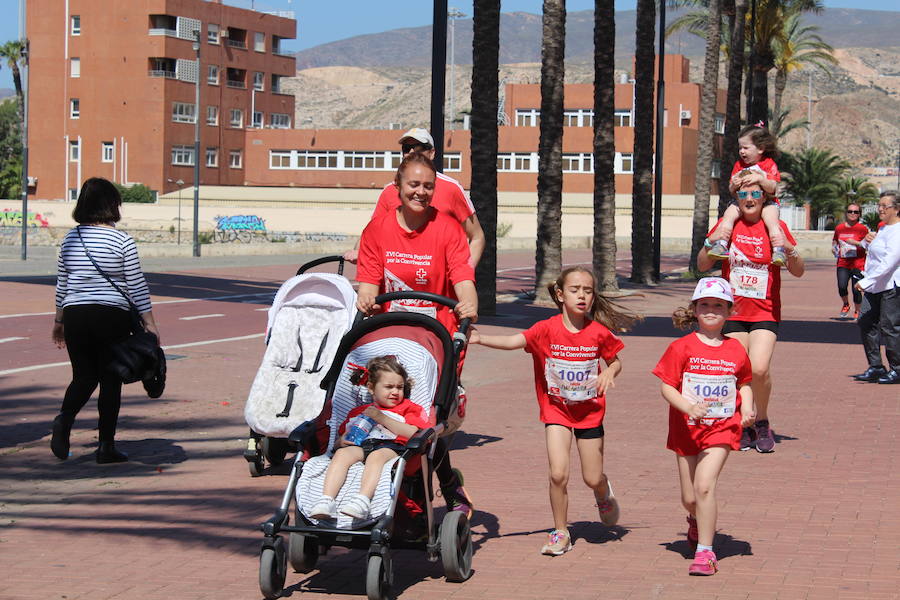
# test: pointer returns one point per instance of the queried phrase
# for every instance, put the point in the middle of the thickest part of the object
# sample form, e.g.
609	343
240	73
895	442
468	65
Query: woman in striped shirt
91	314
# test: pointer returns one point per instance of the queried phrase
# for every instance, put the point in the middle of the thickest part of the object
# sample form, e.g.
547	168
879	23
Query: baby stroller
307	319
401	515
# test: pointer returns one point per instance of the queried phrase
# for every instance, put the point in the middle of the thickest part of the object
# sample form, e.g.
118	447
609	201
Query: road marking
187	345
201	317
181	301
11	339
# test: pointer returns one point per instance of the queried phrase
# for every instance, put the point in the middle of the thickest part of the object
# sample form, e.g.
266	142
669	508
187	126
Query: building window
236	78
625	163
183	156
212	75
107	151
76	25
520	162
74	151
182	112
371	161
258	84
317	160
720	124
257	120
75	67
578	163
212	157
622	118
452	162
582	117
396	159
280	159
74	108
276	84
528	117
234	159
212	115
237	118
259	42
280	121
716	171
212	33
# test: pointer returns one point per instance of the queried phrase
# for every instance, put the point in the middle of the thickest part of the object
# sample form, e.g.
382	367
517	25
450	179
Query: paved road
816	519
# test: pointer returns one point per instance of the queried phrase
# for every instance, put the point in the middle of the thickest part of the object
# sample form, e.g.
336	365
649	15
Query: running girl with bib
851	258
756	284
706	381
756	165
570	385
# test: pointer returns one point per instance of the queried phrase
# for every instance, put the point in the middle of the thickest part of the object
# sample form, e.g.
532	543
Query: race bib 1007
717	392
572	380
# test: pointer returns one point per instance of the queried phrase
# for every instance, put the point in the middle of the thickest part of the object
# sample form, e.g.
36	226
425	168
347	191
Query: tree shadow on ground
593	532
463	439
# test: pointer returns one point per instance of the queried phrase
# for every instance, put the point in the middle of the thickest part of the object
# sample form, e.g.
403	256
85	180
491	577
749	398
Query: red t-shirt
711	374
409	410
431	259
566	366
849	256
449	197
756	282
767	166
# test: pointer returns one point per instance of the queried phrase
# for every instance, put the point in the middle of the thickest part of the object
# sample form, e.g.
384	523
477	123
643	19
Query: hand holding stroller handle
412	295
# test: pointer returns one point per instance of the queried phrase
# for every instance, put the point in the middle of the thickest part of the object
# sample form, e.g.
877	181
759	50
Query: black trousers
845	276
879	322
89	330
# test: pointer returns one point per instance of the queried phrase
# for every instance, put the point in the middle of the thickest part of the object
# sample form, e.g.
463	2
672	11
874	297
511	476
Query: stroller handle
411	295
321	261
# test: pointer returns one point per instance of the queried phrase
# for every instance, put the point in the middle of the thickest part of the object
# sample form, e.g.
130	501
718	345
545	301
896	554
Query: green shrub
503	229
205	237
139	193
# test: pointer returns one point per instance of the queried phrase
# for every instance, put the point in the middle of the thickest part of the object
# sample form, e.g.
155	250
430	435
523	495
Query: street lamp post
452	14
197	148
809	104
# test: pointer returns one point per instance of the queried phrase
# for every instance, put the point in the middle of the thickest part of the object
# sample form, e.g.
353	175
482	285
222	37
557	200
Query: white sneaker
323	509
357	506
608	507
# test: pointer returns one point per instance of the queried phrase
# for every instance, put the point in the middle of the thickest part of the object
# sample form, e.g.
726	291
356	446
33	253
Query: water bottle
359	430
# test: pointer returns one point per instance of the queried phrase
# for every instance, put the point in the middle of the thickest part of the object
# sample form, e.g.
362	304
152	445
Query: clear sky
319	22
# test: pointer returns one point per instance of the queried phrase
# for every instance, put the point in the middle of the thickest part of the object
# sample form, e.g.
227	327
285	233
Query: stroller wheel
379	578
456	546
256	467
274	449
272	569
303	552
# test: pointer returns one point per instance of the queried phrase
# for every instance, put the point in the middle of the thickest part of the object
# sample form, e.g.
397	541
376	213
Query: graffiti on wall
239	228
13	218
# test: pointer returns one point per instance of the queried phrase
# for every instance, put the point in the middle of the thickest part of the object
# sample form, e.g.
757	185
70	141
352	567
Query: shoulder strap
99	270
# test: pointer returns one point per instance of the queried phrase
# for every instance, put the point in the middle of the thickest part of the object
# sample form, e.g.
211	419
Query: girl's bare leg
340	463
706	475
559	440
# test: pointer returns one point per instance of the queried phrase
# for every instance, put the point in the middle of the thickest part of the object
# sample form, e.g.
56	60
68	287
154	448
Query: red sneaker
845	312
692	535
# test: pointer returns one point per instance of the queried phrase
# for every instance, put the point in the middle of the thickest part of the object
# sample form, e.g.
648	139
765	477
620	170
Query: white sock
701	548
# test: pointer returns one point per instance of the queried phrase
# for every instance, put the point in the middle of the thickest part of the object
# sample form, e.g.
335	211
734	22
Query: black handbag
138	357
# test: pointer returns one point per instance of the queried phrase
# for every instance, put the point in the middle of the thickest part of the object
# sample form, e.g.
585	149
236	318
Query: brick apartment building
112	90
344	158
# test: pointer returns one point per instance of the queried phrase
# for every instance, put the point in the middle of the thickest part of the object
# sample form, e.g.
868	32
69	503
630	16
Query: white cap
713	287
418	134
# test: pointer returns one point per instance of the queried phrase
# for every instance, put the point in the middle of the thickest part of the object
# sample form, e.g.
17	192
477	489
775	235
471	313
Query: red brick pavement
817	519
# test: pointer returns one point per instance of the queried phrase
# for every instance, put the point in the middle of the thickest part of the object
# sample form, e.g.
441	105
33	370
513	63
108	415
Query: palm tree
779	127
813	177
11	52
604	246
708	96
641	195
799	46
483	145
857	190
735	34
548	254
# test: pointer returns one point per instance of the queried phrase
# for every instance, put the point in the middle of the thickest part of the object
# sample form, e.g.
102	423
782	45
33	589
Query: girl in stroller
391	419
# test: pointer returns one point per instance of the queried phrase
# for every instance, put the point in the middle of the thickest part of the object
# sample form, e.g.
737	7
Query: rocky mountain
365	82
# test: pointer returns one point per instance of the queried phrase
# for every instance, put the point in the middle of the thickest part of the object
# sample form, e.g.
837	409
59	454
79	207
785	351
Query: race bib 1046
717	392
572	380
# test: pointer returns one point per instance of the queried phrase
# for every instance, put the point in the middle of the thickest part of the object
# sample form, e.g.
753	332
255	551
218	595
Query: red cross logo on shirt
421	277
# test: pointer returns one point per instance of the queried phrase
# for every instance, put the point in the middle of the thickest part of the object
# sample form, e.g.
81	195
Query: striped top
77	280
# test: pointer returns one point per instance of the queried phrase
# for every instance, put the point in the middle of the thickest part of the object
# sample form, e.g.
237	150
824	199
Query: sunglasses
852	212
755	194
407	148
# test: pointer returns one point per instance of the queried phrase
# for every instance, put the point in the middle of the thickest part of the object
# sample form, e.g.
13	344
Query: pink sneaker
705	563
692	535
